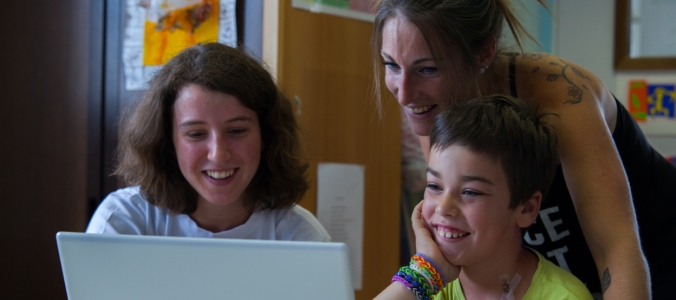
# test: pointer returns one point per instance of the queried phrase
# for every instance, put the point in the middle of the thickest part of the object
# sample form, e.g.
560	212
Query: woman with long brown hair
610	186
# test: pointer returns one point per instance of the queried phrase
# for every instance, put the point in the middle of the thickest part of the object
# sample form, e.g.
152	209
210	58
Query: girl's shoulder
126	211
298	223
125	198
294	214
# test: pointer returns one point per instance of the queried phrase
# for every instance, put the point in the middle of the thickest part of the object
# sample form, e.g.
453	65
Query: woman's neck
217	218
496	79
487	280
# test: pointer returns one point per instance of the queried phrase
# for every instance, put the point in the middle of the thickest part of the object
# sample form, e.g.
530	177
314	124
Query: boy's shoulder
552	282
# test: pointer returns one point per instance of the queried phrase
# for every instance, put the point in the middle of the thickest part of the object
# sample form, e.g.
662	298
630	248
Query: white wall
584	33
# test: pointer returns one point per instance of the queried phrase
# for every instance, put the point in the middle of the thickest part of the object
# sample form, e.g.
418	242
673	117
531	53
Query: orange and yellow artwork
173	25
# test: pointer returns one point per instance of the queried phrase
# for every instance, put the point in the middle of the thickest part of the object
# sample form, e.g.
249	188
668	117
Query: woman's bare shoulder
547	81
553	81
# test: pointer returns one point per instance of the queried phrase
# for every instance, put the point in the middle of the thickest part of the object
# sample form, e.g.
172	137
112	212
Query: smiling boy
491	161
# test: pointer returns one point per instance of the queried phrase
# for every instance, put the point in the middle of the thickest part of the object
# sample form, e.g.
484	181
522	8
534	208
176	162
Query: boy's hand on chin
425	244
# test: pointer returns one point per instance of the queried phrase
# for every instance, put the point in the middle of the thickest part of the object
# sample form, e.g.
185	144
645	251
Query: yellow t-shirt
549	282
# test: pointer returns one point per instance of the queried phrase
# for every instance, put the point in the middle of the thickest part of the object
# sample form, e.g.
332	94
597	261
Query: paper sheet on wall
340	208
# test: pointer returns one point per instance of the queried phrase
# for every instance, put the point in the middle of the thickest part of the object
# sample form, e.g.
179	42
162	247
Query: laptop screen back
98	266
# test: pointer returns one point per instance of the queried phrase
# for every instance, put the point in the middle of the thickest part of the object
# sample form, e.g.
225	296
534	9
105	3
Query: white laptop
102	266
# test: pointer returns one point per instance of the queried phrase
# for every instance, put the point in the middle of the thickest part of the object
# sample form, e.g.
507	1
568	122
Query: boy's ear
486	55
528	211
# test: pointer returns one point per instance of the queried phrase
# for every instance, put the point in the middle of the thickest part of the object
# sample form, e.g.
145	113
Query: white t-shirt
125	211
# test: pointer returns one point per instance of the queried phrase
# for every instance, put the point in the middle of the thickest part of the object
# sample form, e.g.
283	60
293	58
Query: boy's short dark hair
146	153
507	130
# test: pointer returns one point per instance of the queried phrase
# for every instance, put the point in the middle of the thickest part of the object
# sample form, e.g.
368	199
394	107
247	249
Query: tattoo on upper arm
574	90
579	73
605	281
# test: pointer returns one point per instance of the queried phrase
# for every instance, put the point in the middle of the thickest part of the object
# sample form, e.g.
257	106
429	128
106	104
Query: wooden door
325	61
44	78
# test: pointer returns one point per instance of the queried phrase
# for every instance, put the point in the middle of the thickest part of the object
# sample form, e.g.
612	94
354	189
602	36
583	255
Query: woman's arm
593	170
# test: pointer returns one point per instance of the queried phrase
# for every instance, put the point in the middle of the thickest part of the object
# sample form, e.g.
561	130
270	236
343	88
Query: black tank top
557	234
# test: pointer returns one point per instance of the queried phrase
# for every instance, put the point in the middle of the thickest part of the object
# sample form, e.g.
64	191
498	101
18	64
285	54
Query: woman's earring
482	70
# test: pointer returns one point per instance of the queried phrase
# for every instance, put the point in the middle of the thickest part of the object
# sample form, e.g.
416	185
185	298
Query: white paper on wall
340	209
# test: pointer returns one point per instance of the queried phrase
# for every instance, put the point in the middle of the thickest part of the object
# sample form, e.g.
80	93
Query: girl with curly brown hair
211	150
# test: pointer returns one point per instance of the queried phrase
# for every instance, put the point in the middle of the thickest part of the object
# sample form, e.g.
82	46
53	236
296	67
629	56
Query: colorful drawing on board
173	25
140	55
638	94
651	101
661	100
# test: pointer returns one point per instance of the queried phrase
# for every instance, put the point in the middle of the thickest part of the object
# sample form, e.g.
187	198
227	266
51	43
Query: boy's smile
467	206
450	233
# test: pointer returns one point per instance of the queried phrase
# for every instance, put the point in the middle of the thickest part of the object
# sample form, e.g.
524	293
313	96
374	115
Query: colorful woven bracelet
433	280
419	283
428	266
434	265
420	294
427	276
401	280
